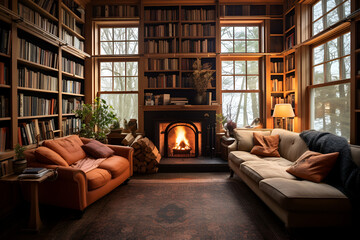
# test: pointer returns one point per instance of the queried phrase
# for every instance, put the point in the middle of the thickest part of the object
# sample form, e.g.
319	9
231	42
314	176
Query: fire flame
181	141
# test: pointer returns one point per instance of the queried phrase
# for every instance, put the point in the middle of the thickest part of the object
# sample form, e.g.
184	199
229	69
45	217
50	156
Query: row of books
72	40
70	86
162	64
198	30
71	125
290	83
119	11
277	67
37	19
70	105
4	106
187	63
75	8
30	132
4	138
290	98
4	74
168	30
198	46
70	22
163	81
36	54
161	15
161	99
198	14
277	85
161	46
6	167
5	40
36	106
33	79
72	67
290	62
290	41
287	123
48	5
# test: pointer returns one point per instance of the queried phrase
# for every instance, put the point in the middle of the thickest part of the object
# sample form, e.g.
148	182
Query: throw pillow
266	146
48	156
245	138
97	150
313	166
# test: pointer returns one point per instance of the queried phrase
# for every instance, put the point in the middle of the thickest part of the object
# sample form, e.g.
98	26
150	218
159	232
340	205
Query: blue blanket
345	175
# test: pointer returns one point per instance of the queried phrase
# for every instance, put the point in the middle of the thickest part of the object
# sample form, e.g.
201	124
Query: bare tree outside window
119	41
240	39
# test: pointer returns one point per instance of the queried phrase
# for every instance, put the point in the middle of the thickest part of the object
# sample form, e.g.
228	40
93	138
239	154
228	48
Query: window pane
119	83
227	46
106	84
346	44
119	34
240	67
252	67
332	17
242	108
346	68
330	109
332	49
106	34
132	47
119	48
106	48
252	33
131	68
330	4
125	105
318	26
131	84
106	69
333	71
132	34
227	83
227	67
227	33
318	54
252	46
317	10
239	32
252	83
318	74
239	46
347	8
119	68
240	83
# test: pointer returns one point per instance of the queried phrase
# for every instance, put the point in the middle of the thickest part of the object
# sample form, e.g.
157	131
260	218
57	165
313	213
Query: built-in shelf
36	90
37	65
73	94
38	116
181	107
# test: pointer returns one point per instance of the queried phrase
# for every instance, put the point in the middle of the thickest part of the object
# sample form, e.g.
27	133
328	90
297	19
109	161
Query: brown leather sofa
74	188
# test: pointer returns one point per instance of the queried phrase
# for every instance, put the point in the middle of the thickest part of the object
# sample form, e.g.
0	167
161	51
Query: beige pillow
245	138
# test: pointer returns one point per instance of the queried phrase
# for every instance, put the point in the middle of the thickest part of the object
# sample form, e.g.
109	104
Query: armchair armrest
232	147
124	151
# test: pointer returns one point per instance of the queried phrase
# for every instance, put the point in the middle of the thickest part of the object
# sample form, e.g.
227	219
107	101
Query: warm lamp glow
283	110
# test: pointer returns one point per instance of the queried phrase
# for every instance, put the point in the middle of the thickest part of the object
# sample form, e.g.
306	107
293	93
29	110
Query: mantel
181	108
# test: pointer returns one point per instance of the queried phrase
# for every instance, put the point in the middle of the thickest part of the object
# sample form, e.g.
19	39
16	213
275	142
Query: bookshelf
289	29
41	71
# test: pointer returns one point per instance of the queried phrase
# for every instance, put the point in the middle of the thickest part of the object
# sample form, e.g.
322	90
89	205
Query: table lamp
283	110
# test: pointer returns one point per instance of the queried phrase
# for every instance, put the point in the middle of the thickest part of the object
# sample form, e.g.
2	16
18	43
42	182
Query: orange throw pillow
313	166
48	156
266	146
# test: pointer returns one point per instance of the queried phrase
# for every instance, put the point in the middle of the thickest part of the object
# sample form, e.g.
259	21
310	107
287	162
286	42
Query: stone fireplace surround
152	120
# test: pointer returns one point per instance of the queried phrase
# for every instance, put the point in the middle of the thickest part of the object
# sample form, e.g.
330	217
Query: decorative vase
199	99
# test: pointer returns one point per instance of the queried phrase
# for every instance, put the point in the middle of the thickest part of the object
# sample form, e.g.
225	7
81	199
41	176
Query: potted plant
221	120
201	78
19	163
96	119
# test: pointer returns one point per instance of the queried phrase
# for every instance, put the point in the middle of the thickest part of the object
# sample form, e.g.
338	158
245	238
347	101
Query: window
119	40
327	12
330	90
119	87
240	39
240	90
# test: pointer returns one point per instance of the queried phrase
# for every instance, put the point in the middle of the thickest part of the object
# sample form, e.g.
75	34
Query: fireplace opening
180	139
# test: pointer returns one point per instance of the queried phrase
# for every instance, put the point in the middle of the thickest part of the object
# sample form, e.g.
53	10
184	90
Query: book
34	175
34	170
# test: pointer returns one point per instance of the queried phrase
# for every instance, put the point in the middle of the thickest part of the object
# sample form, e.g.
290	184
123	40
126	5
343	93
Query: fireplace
180	139
198	127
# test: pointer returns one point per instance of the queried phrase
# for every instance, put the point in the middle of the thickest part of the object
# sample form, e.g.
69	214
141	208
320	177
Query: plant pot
199	99
19	165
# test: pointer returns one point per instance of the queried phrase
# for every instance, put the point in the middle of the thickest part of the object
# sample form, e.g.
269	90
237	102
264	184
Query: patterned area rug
169	209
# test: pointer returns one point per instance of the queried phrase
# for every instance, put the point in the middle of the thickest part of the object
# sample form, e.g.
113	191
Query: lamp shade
283	110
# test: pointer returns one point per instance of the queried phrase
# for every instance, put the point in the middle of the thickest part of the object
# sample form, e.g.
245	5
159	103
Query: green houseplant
201	78
19	163
96	119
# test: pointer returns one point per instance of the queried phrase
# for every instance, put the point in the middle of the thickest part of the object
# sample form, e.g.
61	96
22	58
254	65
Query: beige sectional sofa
298	203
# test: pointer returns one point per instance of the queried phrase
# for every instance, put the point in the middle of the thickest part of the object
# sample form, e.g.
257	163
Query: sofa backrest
291	146
245	137
355	154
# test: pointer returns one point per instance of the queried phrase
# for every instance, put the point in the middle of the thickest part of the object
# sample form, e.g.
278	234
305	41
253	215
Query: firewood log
128	140
136	144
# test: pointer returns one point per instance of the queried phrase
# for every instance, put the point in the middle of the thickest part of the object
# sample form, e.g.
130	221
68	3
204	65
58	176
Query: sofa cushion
68	148
244	138
97	150
48	156
302	195
291	146
259	170
266	145
97	177
313	166
238	157
116	165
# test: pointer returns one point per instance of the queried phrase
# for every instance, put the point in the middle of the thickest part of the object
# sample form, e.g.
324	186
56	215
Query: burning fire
181	141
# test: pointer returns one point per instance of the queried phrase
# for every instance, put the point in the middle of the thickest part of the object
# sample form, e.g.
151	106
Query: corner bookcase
41	71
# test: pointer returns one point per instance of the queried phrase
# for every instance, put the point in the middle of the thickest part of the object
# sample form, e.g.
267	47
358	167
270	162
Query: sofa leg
231	173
